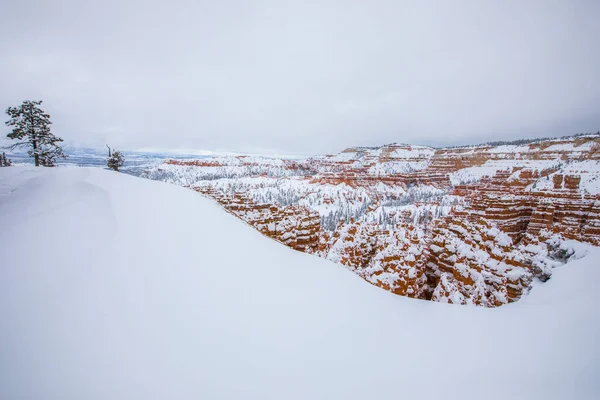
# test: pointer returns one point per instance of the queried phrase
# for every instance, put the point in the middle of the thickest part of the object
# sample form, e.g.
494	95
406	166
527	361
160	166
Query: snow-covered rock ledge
113	287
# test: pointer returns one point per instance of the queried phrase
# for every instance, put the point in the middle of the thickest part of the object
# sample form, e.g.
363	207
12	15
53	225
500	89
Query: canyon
465	225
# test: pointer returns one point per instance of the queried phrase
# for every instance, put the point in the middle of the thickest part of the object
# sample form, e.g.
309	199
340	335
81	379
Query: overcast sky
303	77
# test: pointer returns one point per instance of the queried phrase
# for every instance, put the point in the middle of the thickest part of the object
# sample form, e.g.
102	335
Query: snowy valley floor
115	287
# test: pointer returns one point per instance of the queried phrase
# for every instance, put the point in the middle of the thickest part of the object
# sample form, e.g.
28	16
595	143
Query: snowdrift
114	287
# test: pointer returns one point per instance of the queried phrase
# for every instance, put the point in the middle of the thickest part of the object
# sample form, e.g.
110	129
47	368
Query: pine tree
5	162
31	126
115	159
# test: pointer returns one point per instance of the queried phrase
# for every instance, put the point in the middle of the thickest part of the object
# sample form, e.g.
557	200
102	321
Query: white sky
303	77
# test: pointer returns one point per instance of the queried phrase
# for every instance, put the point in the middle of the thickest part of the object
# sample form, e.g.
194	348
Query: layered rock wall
468	225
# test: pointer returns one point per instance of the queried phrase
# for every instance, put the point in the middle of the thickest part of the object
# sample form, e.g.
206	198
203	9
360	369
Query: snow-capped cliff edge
122	288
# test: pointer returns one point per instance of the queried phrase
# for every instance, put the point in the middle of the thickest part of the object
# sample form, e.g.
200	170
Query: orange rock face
474	263
296	227
470	225
508	200
392	260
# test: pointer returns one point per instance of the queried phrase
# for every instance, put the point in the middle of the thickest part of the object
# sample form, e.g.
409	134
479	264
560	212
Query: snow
397	167
344	156
382	161
268	183
491	167
413	152
587	170
115	287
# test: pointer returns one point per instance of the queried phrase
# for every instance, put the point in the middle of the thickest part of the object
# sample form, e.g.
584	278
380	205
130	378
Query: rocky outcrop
573	149
472	262
296	227
392	260
511	200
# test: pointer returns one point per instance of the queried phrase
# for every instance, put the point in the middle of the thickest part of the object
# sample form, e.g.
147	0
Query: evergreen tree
31	127
115	159
5	162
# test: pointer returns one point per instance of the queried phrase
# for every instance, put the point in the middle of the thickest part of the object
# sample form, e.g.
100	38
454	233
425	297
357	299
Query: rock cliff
467	225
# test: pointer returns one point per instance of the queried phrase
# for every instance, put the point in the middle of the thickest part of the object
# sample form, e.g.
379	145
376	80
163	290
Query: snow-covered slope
113	287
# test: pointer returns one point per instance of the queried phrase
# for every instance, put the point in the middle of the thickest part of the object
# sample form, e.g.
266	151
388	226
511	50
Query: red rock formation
471	262
575	149
296	227
479	254
391	260
505	200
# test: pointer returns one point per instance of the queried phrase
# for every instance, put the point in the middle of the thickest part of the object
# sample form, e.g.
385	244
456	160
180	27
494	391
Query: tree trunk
35	155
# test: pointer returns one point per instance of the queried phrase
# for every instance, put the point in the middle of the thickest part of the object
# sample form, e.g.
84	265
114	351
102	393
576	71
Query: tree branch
14	146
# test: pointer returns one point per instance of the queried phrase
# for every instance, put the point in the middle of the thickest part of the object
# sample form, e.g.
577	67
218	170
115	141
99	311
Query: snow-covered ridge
531	142
138	289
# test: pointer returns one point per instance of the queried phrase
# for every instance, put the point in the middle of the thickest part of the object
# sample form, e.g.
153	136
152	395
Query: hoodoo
468	225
